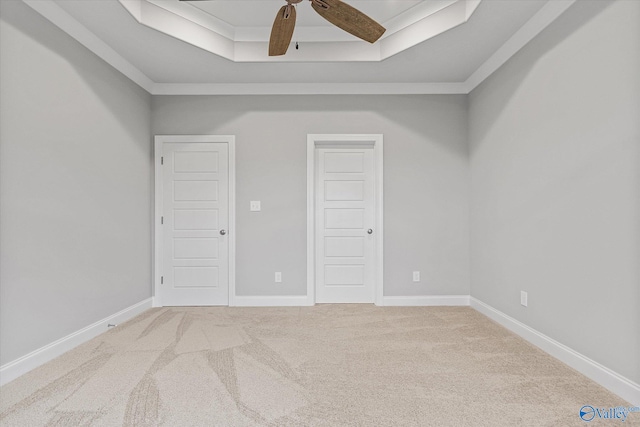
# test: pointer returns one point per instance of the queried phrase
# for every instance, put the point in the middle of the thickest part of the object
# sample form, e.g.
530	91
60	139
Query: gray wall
554	141
425	172
75	179
555	172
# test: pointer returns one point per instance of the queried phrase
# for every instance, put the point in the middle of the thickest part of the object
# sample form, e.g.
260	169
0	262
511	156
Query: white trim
311	235
388	301
59	17
157	213
314	140
378	152
541	20
249	44
272	301
18	367
616	383
232	220
426	301
309	89
157	252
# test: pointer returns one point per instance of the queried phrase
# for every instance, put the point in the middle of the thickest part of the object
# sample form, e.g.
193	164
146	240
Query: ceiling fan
337	12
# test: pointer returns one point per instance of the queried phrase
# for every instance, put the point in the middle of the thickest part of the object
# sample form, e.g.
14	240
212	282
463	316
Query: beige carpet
328	365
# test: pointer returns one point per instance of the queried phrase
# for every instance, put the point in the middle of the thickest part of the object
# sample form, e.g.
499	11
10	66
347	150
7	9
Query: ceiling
260	13
239	30
454	61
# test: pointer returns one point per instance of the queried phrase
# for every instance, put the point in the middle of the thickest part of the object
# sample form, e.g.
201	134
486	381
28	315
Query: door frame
338	141
230	140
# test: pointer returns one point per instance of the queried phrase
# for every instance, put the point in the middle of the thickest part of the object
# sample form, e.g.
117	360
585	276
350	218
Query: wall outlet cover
416	276
254	206
523	298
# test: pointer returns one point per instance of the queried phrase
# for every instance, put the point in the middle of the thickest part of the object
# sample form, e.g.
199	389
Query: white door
195	220
345	222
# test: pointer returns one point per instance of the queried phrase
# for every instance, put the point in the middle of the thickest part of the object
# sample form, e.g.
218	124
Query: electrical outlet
416	276
278	277
523	298
254	206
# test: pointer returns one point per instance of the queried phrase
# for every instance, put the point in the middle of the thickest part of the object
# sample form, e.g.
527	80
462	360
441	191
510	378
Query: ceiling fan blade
349	19
282	30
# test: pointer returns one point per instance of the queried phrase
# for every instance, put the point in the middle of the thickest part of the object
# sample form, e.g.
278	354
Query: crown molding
58	16
310	89
541	20
191	25
545	16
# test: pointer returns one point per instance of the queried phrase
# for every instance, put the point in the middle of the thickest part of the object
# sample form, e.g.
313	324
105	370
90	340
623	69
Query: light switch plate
416	276
254	206
524	298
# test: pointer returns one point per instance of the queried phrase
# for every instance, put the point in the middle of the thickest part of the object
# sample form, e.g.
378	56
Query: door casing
159	140
338	141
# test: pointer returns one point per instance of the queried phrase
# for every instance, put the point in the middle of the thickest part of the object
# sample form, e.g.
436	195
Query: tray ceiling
162	61
239	30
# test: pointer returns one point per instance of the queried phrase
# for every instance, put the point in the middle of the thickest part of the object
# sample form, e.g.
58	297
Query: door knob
370	231
223	232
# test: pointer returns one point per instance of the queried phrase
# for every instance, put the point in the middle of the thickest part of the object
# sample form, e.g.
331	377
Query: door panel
195	161
343	247
195	191
352	191
344	275
342	219
345	188
195	248
192	219
196	277
195	209
336	162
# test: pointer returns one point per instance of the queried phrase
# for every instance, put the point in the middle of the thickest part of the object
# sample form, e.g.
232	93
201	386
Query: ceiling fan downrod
287	11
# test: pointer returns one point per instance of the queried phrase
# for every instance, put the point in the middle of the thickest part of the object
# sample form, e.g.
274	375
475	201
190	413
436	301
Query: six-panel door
195	222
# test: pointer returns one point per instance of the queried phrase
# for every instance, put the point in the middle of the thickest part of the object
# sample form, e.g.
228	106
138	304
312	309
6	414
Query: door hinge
162	160
162	280
161	220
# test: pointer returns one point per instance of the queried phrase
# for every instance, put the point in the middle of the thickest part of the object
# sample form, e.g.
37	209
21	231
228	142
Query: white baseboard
271	301
303	300
616	383
24	364
426	300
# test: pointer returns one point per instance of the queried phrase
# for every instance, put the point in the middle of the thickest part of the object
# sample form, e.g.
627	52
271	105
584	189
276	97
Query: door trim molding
230	140
346	140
